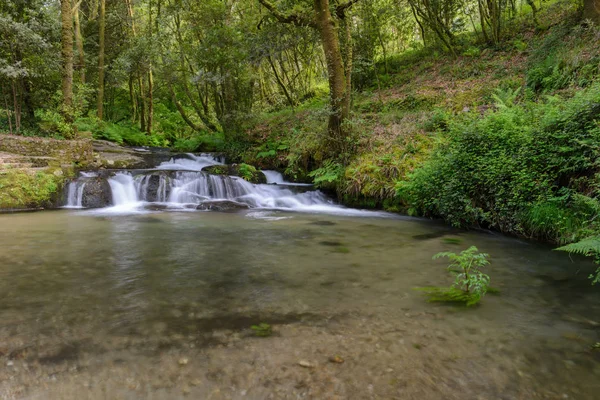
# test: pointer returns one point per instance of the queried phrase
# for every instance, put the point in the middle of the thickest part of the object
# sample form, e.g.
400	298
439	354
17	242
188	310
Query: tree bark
591	10
150	78
328	29
327	26
280	83
101	27
79	44
67	59
182	112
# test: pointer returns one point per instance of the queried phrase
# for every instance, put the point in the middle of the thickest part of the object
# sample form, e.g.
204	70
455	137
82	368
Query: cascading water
180	183
76	188
75	194
123	189
192	163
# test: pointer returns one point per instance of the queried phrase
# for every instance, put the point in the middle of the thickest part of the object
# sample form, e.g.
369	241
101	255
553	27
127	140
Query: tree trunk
150	79
10	129
182	112
150	101
328	30
79	44
349	55
101	26
591	10
67	59
280	83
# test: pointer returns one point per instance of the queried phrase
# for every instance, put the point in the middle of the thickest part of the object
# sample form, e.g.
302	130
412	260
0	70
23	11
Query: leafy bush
205	141
52	123
491	171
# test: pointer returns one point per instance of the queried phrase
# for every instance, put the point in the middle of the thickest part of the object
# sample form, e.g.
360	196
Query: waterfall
123	189
76	188
192	163
180	183
273	176
75	194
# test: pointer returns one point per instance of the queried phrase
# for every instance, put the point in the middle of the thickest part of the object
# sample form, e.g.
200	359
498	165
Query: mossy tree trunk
328	30
101	27
67	59
79	43
327	24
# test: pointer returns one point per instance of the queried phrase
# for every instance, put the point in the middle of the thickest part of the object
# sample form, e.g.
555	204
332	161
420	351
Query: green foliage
262	330
19	189
505	98
438	121
563	219
519	45
491	170
328	174
52	123
588	247
565	58
470	284
247	172
472	52
204	141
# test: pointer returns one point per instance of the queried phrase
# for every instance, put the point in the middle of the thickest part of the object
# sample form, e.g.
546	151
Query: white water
76	188
75	194
276	178
193	163
180	184
273	177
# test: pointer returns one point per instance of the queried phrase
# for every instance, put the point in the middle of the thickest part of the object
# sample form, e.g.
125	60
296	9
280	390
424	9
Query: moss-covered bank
33	170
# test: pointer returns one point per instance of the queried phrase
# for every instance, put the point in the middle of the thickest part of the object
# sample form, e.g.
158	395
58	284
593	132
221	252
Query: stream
153	297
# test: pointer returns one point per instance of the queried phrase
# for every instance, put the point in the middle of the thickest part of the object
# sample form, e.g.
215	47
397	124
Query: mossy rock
245	171
30	189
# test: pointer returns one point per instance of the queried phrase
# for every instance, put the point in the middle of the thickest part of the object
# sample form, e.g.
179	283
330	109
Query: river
132	302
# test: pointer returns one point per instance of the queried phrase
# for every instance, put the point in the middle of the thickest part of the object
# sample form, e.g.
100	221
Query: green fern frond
587	247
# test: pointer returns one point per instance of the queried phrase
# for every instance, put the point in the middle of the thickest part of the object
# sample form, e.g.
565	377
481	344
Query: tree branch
294	19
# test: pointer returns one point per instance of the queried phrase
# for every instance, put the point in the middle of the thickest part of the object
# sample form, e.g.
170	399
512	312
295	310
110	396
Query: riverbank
34	170
499	137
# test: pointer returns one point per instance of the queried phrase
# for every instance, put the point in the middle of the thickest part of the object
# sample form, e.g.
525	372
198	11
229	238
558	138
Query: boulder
244	171
221	205
96	193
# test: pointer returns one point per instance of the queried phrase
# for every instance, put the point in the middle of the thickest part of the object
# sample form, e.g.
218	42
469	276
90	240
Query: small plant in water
470	284
262	329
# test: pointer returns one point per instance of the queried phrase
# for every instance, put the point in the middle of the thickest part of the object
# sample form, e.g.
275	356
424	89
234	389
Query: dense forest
480	112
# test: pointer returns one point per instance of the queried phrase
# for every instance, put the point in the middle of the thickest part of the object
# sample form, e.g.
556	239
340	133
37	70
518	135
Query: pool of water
160	305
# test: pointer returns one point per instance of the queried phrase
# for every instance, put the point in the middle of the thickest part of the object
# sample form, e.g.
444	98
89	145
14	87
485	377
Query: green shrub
494	170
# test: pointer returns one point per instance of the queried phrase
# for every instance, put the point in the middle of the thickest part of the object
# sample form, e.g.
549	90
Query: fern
505	98
588	247
470	284
329	173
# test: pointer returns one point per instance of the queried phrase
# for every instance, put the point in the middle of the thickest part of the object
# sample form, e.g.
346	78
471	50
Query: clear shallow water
90	298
